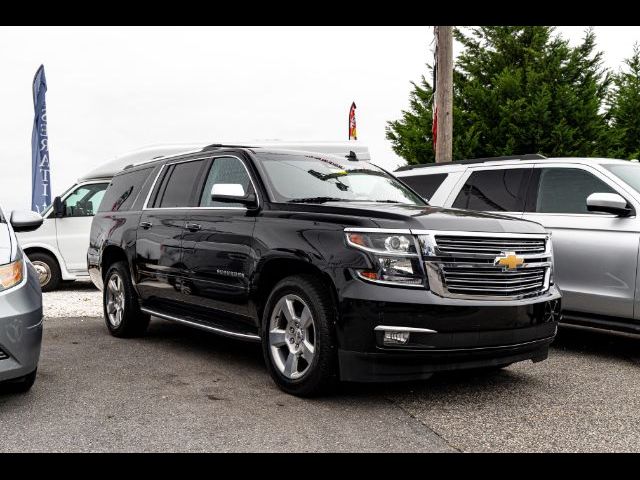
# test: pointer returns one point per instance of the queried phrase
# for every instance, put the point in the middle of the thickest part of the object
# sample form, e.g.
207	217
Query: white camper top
153	152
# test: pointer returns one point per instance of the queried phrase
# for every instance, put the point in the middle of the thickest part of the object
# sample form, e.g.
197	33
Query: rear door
595	253
218	253
160	233
495	189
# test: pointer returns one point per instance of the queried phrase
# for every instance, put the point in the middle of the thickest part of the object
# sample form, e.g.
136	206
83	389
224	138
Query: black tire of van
322	375
50	264
132	321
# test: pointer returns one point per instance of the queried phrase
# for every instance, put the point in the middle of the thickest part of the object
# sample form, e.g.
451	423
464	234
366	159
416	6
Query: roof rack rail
528	156
215	146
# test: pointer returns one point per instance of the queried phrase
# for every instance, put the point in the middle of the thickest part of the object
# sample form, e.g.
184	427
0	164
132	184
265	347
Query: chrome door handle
193	227
146	225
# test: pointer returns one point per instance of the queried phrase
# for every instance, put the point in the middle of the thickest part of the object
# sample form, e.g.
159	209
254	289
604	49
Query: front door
160	272
595	253
73	229
218	252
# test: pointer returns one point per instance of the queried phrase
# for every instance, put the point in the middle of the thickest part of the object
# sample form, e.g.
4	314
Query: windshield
629	174
311	178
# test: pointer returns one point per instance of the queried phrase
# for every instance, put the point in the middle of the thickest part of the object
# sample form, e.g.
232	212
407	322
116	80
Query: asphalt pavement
179	389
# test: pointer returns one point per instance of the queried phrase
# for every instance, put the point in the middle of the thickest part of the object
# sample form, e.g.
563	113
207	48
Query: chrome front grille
460	246
467	265
493	280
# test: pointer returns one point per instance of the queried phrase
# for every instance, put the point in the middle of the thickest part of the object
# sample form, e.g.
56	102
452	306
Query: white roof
149	153
454	166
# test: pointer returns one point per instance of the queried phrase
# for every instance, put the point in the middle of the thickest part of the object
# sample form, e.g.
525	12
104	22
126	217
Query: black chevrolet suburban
339	269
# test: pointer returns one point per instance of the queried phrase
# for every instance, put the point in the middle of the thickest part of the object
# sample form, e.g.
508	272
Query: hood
5	244
385	215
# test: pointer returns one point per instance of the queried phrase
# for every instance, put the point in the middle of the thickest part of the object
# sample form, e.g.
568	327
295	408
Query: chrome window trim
145	207
580	215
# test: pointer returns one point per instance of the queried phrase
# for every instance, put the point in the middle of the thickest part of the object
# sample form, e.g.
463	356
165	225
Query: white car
58	249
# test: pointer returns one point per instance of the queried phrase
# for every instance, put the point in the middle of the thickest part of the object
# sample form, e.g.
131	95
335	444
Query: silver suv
590	205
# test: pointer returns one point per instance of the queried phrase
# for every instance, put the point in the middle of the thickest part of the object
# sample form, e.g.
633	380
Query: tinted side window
565	190
84	201
225	170
425	185
123	190
495	190
179	190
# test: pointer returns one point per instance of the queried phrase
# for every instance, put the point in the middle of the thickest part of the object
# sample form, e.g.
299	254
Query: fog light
395	338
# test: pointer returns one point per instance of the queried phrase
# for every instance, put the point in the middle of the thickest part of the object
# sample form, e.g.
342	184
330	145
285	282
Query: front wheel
48	270
298	336
122	313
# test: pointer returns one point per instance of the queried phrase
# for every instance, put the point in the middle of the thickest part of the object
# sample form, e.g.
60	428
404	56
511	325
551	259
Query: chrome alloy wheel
115	300
44	272
292	336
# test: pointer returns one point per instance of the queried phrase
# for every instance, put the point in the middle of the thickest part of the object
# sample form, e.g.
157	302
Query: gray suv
20	306
590	205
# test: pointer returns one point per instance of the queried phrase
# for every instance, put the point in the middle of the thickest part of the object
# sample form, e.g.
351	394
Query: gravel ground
73	299
181	389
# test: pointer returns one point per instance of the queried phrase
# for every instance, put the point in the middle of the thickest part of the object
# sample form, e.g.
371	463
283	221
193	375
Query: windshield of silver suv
309	178
629	174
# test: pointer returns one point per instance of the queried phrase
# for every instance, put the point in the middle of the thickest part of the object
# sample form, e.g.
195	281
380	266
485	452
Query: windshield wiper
317	200
387	201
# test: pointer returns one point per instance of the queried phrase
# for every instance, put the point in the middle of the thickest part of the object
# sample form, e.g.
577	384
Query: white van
58	249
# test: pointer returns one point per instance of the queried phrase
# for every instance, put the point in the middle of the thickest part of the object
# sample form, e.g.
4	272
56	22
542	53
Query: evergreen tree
517	90
624	109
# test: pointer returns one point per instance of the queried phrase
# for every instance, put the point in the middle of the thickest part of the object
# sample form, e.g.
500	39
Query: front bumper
464	333
402	366
20	327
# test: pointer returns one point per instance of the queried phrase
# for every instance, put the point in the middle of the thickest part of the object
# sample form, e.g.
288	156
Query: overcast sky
112	90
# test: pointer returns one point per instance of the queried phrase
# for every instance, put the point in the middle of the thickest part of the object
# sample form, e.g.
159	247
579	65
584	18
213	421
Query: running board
610	324
227	333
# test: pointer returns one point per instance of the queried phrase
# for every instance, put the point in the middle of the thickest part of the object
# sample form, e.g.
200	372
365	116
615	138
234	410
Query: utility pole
444	94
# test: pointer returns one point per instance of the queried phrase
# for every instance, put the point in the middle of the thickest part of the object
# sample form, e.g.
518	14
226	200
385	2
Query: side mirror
58	207
231	193
608	203
25	221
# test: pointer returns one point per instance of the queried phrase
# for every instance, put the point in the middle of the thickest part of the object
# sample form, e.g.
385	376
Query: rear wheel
122	313
48	270
298	336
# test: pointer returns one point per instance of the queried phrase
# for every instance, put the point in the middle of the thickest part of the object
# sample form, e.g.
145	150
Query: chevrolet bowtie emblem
509	261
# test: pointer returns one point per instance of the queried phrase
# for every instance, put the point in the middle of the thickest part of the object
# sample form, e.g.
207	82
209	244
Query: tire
22	384
48	270
306	378
122	313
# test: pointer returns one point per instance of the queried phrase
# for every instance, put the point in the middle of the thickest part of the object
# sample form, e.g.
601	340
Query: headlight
396	258
11	274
